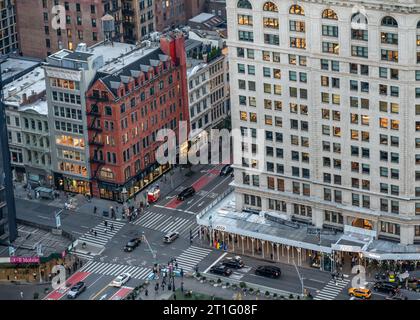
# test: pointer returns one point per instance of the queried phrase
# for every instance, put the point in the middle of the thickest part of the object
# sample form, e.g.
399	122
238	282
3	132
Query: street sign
11	251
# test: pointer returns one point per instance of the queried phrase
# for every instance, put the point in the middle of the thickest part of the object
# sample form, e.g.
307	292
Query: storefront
72	185
114	192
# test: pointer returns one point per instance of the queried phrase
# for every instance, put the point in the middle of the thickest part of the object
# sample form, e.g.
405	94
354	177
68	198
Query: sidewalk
178	179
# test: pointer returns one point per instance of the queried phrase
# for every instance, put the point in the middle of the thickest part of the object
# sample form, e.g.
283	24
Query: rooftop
15	67
31	83
224	216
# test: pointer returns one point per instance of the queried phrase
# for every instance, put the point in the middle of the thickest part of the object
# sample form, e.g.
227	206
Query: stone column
243	248
252	243
262	248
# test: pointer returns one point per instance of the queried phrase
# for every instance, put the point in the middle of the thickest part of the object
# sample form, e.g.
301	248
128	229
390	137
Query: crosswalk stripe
160	223
332	289
113	269
154	220
117	270
175	225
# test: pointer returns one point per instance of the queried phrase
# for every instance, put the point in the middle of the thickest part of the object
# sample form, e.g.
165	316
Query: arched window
244	4
389	22
359	21
296	9
269	6
418	25
329	14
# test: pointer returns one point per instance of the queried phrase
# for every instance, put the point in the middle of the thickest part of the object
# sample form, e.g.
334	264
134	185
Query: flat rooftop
224	216
13	67
31	83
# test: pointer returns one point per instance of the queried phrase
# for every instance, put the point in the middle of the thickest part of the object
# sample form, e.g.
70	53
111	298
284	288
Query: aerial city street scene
229	150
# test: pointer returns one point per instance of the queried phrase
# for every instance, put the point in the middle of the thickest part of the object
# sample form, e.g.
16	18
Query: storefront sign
221	228
24	260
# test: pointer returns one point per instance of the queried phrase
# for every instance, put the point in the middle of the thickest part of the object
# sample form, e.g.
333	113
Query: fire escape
96	143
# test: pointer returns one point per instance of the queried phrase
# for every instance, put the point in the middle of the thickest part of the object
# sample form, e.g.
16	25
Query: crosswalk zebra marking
164	223
114	269
332	289
191	257
103	234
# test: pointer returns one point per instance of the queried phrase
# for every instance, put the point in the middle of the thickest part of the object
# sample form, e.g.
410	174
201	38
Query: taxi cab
360	293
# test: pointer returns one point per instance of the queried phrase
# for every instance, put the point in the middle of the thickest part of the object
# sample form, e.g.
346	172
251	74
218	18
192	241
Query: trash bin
105	213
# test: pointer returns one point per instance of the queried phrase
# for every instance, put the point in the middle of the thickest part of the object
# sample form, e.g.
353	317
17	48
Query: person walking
342	277
95	209
95	233
146	292
105	223
112	227
21	295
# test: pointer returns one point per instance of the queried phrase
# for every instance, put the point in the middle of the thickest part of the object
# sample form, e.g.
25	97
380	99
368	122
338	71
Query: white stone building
332	91
28	131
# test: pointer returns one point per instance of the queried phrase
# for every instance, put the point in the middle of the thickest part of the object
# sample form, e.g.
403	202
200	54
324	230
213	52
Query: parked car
121	280
171	237
186	193
234	263
226	170
76	290
385	286
360	293
221	270
132	244
413	284
268	271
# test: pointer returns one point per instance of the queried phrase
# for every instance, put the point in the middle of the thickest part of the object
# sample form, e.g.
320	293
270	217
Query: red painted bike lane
198	185
61	292
121	293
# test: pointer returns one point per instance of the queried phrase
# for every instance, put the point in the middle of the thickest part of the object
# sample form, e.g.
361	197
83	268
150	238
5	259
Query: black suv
268	271
234	263
385	286
132	244
226	170
221	269
186	193
77	289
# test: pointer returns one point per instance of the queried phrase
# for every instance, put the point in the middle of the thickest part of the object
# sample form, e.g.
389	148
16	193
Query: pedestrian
174	296
95	233
21	295
182	273
95	209
176	265
182	287
105	223
332	275
163	287
105	230
146	292
342	277
272	257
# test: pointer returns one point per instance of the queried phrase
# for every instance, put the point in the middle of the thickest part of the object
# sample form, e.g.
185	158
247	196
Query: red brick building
37	37
126	109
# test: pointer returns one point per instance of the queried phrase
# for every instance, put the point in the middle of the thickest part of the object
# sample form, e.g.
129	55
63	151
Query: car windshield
119	278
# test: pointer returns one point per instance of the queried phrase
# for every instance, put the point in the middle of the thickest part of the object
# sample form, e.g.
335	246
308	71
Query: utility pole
150	248
300	277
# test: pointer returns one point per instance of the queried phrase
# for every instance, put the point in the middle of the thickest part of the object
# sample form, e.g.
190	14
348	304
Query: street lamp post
300	278
124	194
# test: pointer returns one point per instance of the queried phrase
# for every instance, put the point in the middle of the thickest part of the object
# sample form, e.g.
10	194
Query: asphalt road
169	214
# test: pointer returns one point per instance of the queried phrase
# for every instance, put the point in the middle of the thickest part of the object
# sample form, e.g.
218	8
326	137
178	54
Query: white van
170	237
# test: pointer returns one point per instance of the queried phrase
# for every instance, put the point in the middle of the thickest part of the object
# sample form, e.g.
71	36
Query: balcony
128	12
93	113
96	143
99	97
93	128
96	160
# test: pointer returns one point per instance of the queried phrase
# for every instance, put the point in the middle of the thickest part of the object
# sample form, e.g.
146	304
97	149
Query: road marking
43	217
201	203
220	258
102	290
217	185
95	281
319	281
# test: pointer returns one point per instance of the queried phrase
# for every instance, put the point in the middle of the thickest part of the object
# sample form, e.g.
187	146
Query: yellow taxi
360	293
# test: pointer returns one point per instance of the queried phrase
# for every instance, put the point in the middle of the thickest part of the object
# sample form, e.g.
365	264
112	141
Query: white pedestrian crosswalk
191	257
83	255
103	234
115	269
165	223
237	274
332	289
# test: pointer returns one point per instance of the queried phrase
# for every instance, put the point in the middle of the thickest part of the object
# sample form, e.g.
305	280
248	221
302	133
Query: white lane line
220	258
215	187
95	281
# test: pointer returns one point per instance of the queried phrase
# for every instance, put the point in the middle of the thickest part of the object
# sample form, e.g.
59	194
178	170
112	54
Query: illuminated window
253	117
329	14
383	122
268	120
269	6
272	23
244	20
299	43
243	116
296	9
